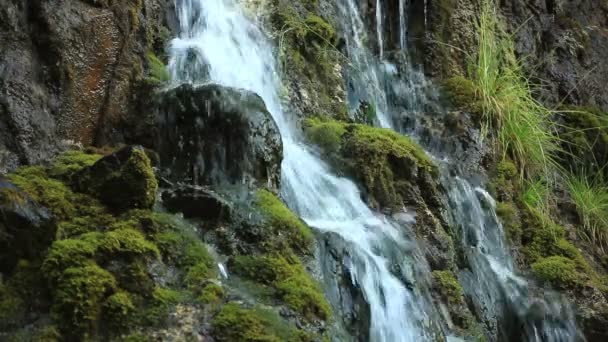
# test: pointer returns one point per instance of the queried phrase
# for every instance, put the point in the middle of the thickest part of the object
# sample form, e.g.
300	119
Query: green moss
211	294
79	297
384	161
70	253
448	286
48	334
508	213
163	301
289	280
12	307
69	163
51	193
326	134
197	276
118	309
319	30
285	222
131	185
158	72
463	94
127	242
234	323
557	270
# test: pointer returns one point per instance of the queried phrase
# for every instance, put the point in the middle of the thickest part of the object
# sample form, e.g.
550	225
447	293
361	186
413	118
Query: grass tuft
522	125
590	195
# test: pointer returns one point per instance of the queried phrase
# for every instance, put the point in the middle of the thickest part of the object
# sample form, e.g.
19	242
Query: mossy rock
463	94
123	180
557	270
448	286
509	216
386	163
235	323
289	280
284	222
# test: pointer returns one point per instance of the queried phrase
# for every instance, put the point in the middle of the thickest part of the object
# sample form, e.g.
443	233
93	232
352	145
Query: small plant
591	200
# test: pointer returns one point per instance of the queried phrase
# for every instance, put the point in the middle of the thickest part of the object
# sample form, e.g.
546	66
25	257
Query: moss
319	30
448	286
79	297
505	180
158	72
197	275
285	222
508	213
557	270
68	164
48	334
127	242
289	280
234	323
463	94
12	307
51	193
326	134
118	309
211	294
163	301
70	253
384	161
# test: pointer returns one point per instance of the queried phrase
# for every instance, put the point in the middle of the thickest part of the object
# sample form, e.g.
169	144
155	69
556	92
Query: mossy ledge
386	163
94	280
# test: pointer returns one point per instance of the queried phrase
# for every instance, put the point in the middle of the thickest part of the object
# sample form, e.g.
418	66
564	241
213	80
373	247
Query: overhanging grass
590	195
519	123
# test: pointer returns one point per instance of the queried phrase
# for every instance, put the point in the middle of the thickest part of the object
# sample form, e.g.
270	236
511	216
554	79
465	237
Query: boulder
123	180
197	202
215	135
26	228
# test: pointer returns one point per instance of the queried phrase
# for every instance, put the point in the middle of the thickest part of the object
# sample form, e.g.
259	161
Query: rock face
60	64
218	135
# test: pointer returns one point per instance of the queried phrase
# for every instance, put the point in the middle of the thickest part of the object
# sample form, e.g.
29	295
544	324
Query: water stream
499	295
218	43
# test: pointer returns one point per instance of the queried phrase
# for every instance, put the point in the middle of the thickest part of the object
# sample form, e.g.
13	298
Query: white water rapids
218	43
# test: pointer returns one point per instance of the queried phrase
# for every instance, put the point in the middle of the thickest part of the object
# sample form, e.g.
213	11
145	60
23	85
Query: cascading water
490	280
218	43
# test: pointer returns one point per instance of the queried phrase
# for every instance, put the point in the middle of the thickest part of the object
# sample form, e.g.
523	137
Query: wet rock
197	202
26	228
213	135
123	180
71	70
340	290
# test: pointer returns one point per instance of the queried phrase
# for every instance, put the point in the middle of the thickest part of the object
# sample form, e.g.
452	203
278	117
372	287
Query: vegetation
235	323
285	222
158	72
289	281
381	159
591	200
448	286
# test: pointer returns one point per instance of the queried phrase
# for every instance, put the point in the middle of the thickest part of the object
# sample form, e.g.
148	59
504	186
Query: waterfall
490	280
218	43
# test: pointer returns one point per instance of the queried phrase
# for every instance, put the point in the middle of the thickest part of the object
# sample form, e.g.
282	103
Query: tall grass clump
519	123
590	195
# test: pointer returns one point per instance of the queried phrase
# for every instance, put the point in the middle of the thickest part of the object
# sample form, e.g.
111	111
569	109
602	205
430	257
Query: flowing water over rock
218	43
501	297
